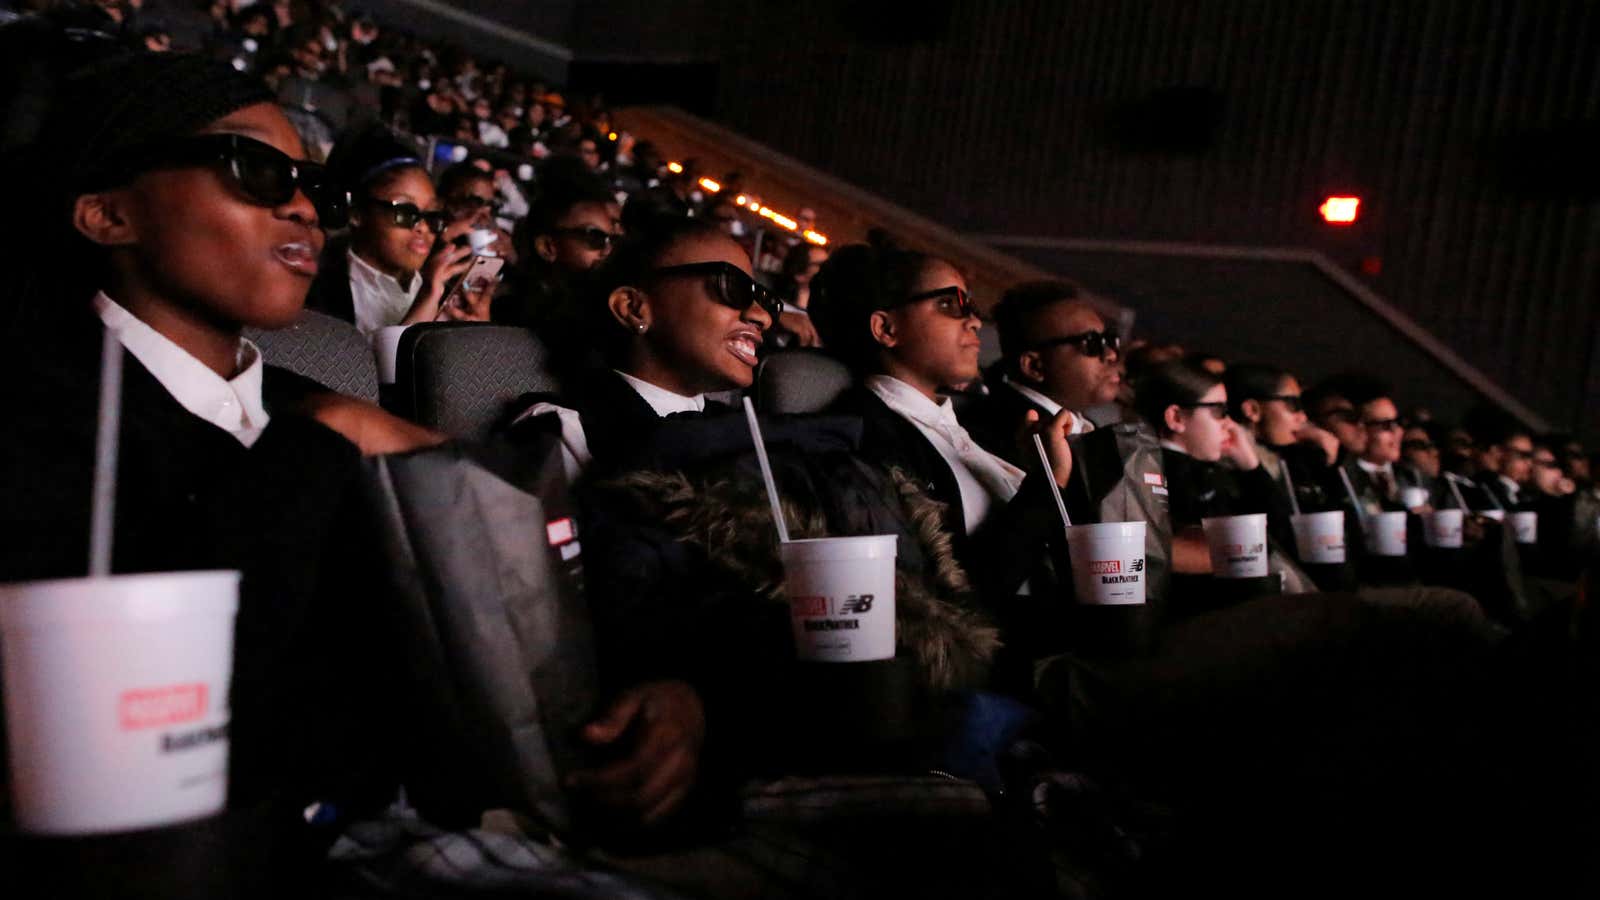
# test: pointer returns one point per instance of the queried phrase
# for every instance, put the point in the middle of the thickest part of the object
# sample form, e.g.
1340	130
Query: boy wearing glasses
1507	469
570	230
1056	353
1372	472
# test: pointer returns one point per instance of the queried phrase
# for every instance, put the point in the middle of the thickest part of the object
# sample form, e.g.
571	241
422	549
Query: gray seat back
800	381
324	349
460	377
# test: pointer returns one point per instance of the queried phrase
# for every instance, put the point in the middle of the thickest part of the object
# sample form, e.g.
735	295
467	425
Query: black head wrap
110	110
105	109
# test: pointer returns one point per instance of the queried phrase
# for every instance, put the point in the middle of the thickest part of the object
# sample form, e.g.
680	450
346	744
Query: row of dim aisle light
752	204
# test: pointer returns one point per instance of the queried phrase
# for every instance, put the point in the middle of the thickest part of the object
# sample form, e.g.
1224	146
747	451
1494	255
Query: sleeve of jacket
1014	539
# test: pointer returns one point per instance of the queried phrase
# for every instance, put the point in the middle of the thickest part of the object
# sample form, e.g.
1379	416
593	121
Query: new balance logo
858	605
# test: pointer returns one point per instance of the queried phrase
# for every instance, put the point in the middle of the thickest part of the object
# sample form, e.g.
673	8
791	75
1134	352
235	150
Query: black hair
856	281
1344	386
1491	426
1251	381
1180	382
558	195
460	175
368	159
651	208
1140	358
1014	315
797	259
1361	389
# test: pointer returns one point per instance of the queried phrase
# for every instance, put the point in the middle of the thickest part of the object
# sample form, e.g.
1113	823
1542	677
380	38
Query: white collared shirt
575	454
378	299
232	404
1374	468
663	401
937	421
1511	487
1080	422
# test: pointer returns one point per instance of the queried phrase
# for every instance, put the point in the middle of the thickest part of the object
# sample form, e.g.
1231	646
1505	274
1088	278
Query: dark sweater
190	496
1201	489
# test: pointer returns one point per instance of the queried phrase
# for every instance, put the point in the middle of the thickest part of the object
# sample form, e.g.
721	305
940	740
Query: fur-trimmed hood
724	513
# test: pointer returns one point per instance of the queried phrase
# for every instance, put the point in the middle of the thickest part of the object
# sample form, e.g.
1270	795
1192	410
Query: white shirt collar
1174	446
232	404
1512	488
982	478
1374	468
1038	399
912	403
378	299
663	401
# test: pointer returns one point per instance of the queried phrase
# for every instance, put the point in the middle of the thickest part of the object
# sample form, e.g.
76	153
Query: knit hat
110	110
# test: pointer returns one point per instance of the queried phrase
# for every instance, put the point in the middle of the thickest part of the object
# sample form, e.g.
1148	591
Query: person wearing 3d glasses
906	325
187	212
1056	353
405	255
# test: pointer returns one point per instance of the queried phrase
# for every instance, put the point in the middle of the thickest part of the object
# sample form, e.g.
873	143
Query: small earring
639	328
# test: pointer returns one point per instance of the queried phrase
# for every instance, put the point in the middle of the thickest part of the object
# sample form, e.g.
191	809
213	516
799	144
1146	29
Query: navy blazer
993	421
1010	545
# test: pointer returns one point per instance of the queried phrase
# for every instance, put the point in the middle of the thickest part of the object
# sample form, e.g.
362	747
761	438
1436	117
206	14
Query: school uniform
216	473
994	420
348	287
1000	522
1198	489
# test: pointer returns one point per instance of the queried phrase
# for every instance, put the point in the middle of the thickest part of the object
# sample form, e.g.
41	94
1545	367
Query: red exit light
1340	210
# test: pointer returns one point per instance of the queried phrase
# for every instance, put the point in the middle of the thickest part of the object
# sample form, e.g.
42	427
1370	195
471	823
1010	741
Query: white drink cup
1385	534
841	597
1499	515
1238	545
1525	526
1413	498
386	351
116	696
1108	563
1442	528
1319	536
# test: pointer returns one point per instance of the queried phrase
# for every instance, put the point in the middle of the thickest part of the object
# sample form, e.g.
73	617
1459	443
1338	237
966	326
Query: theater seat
458	377
799	381
324	349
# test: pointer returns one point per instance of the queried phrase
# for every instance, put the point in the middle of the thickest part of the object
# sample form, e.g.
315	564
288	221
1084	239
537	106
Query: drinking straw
766	470
104	496
1038	444
1361	512
1288	482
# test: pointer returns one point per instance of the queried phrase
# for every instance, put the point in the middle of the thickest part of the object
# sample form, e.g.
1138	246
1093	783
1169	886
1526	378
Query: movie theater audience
1056	353
1373	472
405	256
190	212
190	208
907	327
676	316
1267	401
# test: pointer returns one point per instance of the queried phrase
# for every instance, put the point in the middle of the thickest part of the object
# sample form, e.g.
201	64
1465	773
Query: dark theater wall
1472	130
